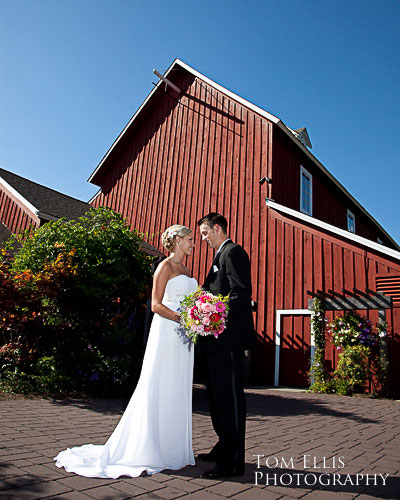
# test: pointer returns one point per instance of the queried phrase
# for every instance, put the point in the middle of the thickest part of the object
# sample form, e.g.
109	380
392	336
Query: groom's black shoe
216	472
207	457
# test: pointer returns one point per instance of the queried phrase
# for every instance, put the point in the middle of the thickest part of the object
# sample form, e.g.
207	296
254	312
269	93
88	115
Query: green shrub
73	309
352	372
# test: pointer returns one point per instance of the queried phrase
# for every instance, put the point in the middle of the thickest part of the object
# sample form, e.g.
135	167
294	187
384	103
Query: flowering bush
317	370
71	285
203	313
361	363
362	359
352	329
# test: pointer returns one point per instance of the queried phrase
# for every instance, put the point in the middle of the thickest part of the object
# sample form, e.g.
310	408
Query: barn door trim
288	312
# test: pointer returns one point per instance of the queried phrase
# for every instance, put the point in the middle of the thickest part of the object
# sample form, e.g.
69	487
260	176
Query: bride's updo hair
169	235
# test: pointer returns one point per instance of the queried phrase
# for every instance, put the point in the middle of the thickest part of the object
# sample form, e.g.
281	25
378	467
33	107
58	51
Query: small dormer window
351	222
305	191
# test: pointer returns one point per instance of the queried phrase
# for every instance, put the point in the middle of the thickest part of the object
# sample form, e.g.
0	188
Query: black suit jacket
231	275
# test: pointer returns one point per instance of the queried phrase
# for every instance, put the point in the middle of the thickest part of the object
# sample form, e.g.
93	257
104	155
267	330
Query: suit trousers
227	404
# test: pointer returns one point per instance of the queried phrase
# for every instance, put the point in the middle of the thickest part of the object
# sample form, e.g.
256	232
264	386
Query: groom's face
210	235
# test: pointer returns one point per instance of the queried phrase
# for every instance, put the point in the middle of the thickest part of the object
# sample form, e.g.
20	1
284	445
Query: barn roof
299	136
49	204
44	202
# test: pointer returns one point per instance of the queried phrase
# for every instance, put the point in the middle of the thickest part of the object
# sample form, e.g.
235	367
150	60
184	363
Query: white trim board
333	229
19	197
94	196
279	314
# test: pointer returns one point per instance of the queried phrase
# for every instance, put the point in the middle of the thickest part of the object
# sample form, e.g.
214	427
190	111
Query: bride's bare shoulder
164	269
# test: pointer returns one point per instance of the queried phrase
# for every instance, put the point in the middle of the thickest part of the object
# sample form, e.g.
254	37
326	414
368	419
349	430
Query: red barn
194	147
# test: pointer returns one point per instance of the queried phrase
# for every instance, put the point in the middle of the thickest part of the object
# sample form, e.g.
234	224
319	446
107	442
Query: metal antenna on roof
167	82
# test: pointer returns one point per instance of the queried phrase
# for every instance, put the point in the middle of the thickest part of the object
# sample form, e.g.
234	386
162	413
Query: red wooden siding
329	203
301	258
14	215
186	158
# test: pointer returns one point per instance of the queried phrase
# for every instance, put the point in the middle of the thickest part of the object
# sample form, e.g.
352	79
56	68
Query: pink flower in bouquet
220	307
206	307
215	317
204	298
194	312
206	320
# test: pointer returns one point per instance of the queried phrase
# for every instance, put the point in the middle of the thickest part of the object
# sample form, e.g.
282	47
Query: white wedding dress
155	431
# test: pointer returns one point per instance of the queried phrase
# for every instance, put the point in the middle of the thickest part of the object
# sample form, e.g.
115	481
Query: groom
224	356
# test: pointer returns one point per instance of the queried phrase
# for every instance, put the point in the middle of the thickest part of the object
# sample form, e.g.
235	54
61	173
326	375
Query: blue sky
74	72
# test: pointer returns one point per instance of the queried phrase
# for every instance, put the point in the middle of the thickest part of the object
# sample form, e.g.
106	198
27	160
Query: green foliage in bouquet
71	300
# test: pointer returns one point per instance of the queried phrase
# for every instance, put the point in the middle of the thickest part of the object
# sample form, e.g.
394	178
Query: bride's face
186	244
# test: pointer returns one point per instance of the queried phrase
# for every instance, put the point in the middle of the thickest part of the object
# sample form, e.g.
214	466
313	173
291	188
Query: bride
155	431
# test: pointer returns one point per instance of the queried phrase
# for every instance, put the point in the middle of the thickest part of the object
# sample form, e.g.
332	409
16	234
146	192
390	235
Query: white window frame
304	172
350	214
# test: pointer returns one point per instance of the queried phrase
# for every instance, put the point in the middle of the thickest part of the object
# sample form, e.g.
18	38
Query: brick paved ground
357	437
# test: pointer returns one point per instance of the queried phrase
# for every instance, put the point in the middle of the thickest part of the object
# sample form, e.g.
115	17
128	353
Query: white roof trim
94	196
256	109
227	92
19	197
333	229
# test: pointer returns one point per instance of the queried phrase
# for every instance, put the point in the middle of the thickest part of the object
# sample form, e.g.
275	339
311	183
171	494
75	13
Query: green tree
91	280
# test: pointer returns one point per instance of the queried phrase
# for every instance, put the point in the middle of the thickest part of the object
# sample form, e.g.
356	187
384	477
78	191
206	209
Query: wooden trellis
353	300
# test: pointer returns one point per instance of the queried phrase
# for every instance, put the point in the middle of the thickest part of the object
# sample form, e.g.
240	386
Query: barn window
351	222
379	240
305	191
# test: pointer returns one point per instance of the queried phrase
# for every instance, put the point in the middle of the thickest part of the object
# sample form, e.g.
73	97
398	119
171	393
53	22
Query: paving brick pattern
299	445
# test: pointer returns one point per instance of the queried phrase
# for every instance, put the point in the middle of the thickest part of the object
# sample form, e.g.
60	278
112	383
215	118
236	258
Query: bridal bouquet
203	313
